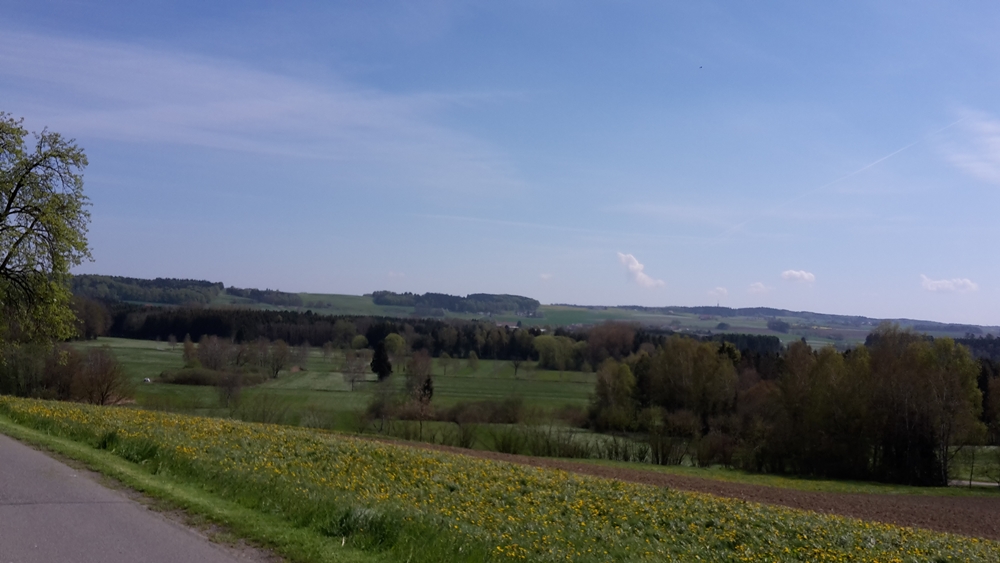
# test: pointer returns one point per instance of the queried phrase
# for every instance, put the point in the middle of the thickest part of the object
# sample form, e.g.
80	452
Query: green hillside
817	328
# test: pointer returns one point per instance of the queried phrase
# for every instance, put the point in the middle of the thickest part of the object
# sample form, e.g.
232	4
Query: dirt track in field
967	516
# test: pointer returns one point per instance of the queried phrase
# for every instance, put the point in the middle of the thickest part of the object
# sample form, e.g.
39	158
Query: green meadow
318	389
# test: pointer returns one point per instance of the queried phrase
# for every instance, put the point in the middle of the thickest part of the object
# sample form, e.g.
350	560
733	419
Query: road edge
273	537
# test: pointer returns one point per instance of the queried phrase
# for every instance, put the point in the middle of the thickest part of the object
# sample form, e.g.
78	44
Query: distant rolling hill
817	328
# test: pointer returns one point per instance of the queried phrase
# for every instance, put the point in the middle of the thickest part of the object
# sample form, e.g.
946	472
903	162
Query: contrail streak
842	178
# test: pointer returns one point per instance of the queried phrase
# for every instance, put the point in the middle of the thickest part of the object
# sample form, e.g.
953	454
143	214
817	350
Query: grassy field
320	390
409	504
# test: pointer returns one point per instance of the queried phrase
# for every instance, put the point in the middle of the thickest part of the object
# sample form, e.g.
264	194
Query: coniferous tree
381	365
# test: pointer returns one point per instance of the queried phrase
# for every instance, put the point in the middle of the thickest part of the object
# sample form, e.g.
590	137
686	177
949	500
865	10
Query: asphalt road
50	512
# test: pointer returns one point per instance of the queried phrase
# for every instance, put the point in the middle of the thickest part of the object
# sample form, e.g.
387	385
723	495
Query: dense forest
267	296
473	303
891	410
169	291
161	290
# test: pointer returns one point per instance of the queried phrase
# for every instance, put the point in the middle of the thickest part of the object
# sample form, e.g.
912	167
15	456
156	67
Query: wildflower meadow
378	495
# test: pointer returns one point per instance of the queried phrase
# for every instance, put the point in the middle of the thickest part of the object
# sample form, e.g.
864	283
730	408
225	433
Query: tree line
160	290
472	303
170	291
560	348
893	410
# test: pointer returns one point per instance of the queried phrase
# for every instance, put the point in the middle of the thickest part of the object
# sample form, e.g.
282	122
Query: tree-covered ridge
171	291
268	296
473	303
168	291
823	318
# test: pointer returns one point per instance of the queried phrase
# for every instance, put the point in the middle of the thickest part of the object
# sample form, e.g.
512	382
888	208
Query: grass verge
260	529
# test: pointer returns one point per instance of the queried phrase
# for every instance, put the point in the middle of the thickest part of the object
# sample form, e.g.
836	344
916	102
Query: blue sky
835	157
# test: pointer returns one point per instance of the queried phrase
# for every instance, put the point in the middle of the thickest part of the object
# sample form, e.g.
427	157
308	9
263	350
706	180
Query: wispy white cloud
757	288
954	284
718	292
635	270
130	93
976	148
396	275
798	276
545	277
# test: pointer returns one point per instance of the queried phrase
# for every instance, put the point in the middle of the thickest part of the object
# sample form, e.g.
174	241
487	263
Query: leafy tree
612	406
381	365
43	226
396	347
92	317
473	361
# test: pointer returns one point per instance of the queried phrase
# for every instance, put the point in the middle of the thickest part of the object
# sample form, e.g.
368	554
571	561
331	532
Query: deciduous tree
43	227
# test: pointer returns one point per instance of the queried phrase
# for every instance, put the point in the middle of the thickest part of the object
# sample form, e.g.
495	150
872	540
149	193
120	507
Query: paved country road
52	513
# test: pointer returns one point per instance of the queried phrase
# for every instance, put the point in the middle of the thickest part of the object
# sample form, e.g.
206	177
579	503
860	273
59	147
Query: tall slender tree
381	365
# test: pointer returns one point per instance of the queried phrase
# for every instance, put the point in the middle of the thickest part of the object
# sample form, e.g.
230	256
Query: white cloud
545	277
718	292
396	275
976	148
130	93
954	284
758	287
798	276
635	269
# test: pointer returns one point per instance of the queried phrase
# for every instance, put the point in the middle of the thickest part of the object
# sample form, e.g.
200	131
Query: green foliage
161	290
43	226
395	345
778	325
474	303
894	410
268	296
380	362
613	407
65	373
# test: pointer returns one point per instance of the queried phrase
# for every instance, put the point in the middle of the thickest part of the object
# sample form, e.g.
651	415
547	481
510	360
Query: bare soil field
968	516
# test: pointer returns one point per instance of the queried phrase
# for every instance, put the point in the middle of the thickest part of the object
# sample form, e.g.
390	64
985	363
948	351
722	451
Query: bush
102	380
778	325
208	377
508	411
